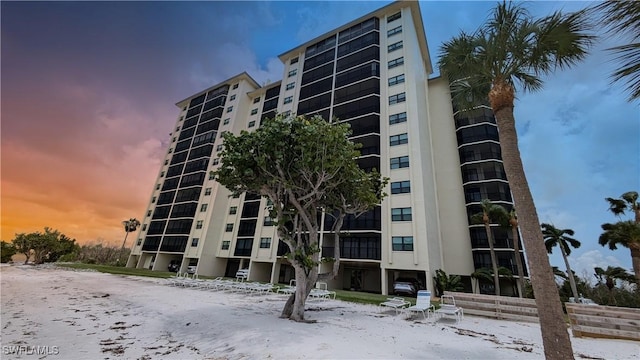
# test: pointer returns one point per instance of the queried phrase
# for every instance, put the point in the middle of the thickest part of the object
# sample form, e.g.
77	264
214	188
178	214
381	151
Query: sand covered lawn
90	315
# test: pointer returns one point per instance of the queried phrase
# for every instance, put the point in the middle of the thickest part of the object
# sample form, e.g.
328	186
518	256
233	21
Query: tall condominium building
374	74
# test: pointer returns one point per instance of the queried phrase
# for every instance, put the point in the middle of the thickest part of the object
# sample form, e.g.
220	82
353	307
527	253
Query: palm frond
622	18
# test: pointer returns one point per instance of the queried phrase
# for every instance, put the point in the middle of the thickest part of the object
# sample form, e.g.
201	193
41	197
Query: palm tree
627	234
443	282
627	201
130	225
562	238
623	17
511	49
609	277
488	275
490	213
513	222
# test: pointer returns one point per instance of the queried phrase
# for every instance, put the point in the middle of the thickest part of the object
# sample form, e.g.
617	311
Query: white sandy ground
90	315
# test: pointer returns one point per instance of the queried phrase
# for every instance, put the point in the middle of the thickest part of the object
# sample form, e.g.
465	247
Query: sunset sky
88	94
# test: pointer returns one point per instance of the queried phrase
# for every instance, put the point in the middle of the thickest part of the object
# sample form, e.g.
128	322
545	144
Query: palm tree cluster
624	233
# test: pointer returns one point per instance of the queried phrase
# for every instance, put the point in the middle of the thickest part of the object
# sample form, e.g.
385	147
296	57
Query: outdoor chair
397	303
448	307
423	304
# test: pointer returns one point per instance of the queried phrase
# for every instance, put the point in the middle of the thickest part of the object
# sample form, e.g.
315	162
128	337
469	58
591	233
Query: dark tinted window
274	91
364	88
191	194
175	170
197	100
200	152
319	59
192	179
313	104
317	73
359	73
194	111
250	210
247	227
316	88
359	43
366	55
358	107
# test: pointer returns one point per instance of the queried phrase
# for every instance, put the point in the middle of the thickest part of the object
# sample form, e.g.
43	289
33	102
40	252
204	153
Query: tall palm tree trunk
635	261
494	262
555	336
516	249
572	280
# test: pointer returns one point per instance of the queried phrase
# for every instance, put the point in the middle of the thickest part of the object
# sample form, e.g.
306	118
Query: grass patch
344	295
119	270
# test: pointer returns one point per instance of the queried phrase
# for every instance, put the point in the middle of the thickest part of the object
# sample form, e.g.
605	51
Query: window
162	174
286	113
228	227
219	147
226	121
157	186
170	150
294	60
401	187
212	176
402	243
398	98
203	208
288	99
265	243
401	214
396	80
174	139
216	161
292	72
149	213
153	199
235	86
194	242
233	210
199	224
399	162
225	245
144	227
139	242
230	109
397	118
256	100
207	191
254	111
232	97
235	196
252	123
290	85
398	139
395	46
268	221
393	17
395	30
395	62
166	162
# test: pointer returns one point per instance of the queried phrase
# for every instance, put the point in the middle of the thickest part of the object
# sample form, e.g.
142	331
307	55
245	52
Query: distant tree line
52	245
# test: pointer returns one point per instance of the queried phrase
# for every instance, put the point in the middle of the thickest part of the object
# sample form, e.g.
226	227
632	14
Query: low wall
604	321
497	307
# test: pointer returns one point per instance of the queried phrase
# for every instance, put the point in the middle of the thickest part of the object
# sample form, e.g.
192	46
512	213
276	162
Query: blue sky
88	94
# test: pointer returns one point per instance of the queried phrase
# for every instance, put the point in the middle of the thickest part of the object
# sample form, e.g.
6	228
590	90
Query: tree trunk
635	261
294	307
516	248
494	262
555	337
572	280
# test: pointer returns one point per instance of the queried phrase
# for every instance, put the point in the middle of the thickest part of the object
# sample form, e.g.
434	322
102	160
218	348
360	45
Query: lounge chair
396	303
321	292
288	289
423	304
448	307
